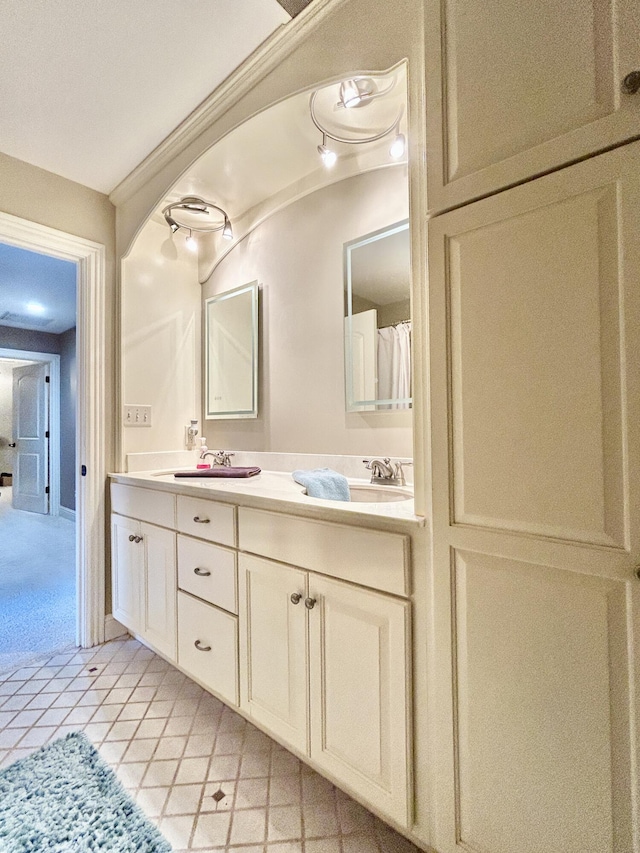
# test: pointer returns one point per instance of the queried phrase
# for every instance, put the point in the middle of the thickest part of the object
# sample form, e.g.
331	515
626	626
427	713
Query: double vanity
295	611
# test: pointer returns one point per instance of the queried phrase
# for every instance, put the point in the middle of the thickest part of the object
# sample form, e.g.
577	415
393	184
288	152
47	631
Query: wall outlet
137	416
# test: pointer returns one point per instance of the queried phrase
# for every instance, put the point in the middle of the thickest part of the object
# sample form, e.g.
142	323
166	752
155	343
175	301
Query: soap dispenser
202	462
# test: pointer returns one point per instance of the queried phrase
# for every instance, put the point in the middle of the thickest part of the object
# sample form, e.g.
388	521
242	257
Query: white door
30	434
516	88
359	675
535	390
160	581
273	647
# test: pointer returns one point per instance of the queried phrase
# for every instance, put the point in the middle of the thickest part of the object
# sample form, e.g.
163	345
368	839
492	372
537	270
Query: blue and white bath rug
64	798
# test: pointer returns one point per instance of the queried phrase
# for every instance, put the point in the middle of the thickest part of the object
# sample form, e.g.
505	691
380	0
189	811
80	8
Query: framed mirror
231	353
377	278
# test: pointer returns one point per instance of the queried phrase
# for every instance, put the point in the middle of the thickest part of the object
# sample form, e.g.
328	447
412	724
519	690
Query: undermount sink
378	494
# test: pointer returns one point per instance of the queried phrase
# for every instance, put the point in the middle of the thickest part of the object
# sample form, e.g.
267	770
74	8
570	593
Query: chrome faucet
220	457
384	472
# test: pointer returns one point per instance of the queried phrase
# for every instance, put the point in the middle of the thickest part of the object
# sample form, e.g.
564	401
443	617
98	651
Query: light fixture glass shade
350	94
227	231
192	243
329	157
398	146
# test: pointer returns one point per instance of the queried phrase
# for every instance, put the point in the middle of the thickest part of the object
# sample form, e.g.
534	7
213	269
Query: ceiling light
398	146
35	308
350	94
179	214
171	223
328	156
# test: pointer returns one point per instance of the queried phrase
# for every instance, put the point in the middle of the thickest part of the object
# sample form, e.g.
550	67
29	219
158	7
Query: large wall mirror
231	353
377	280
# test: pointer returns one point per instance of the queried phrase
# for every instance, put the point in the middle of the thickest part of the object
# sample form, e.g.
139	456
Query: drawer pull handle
202	573
199	520
296	598
310	603
201	648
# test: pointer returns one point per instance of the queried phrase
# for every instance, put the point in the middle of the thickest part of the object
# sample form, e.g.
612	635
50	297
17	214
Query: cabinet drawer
156	507
208	572
215	630
367	557
207	520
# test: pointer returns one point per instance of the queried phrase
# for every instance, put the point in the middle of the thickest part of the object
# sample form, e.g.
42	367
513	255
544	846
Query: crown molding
240	82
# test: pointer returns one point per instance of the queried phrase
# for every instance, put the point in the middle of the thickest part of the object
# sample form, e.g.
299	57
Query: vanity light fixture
357	92
183	213
329	157
398	146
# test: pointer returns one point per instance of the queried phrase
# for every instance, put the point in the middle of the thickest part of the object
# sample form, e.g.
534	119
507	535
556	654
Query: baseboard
112	628
64	512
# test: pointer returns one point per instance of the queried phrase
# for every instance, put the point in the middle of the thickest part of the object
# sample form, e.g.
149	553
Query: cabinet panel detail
215	662
147	505
208	572
126	572
273	647
368	557
536	371
207	520
159	600
359	700
541	716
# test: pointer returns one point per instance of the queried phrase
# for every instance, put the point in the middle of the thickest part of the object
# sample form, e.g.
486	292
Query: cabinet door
515	89
160	582
359	671
126	572
535	406
273	647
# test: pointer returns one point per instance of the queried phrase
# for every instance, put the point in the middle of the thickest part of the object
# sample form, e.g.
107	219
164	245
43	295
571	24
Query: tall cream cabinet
535	406
515	89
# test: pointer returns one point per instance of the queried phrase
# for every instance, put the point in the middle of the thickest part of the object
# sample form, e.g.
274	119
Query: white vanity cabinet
343	646
143	559
515	89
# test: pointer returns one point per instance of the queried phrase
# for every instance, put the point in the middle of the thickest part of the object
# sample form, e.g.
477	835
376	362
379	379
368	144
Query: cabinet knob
296	598
631	83
636	572
138	539
310	603
200	647
132	538
199	520
202	573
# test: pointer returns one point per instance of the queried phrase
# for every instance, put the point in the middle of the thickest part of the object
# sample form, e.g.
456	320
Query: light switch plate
137	415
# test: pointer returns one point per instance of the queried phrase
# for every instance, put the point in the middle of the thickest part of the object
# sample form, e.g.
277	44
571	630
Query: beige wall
297	258
161	355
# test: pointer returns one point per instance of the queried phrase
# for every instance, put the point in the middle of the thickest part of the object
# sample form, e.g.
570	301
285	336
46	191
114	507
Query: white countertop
277	490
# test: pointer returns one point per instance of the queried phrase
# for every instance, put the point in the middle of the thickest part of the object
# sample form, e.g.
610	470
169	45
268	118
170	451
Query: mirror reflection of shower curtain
394	365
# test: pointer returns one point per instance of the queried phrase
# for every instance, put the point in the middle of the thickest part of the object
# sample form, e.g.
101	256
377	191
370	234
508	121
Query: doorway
91	463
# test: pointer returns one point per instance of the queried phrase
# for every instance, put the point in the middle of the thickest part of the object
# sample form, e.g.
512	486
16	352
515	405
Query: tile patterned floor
208	778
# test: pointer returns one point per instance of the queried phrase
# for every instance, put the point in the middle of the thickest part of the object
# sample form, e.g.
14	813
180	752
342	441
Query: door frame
53	360
90	258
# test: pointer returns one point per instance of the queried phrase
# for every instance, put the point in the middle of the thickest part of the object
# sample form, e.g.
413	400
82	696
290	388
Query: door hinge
46	490
47	379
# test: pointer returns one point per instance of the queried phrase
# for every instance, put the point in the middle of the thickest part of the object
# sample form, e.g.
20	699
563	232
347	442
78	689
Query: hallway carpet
37	584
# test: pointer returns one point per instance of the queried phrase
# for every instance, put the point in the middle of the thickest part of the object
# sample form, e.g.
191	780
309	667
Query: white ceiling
37	291
88	88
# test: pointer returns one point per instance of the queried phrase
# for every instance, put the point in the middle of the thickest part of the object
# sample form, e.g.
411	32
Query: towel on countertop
221	471
324	483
